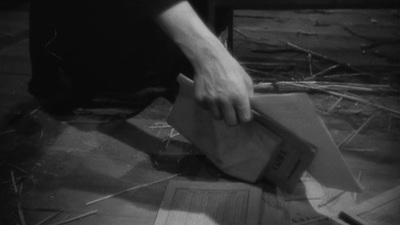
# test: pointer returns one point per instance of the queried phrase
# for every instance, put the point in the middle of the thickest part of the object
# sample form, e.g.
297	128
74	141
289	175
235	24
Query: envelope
285	138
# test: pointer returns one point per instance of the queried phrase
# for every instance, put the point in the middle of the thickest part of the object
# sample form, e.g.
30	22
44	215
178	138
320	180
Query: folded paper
275	145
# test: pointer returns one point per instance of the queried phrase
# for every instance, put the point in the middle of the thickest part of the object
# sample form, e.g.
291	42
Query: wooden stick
13	183
354	134
358	149
346	87
76	217
347	28
300	199
65	217
267	65
265	73
20	189
309	58
350	97
321	56
131	189
326	70
161	123
8	132
252	40
34	111
395	116
18	168
333	86
389	123
322	218
334	105
358	180
48	218
21	214
376	44
351	111
160	126
329	83
169	138
88	122
345	75
334	198
321	111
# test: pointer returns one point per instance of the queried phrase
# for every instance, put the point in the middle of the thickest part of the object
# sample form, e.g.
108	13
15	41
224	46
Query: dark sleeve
153	7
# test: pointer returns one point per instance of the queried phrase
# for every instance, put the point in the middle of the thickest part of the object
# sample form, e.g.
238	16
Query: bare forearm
220	83
189	32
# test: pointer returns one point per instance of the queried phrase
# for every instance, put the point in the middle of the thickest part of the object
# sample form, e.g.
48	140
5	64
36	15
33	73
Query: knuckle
198	96
246	117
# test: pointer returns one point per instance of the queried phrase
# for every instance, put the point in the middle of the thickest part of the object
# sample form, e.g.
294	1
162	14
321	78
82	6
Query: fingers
228	113
211	106
227	99
233	111
236	111
249	85
215	110
243	110
250	89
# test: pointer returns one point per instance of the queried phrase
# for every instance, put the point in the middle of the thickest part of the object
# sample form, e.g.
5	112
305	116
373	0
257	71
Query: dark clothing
81	48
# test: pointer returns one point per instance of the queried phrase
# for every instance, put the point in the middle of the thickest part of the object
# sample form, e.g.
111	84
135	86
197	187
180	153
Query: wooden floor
55	164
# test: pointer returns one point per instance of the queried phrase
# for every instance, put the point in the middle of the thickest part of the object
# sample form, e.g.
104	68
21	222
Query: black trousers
79	48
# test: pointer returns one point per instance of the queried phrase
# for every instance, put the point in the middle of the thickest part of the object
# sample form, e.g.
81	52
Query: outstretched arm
221	84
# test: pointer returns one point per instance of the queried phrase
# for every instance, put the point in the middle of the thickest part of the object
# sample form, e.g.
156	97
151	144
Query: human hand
221	84
223	87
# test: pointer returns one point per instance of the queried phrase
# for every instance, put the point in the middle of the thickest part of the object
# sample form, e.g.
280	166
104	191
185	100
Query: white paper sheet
203	203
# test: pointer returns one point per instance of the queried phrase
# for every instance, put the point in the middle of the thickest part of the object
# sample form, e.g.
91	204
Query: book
211	203
285	139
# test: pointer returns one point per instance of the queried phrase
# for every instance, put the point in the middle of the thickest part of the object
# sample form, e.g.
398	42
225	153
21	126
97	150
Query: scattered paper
207	203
